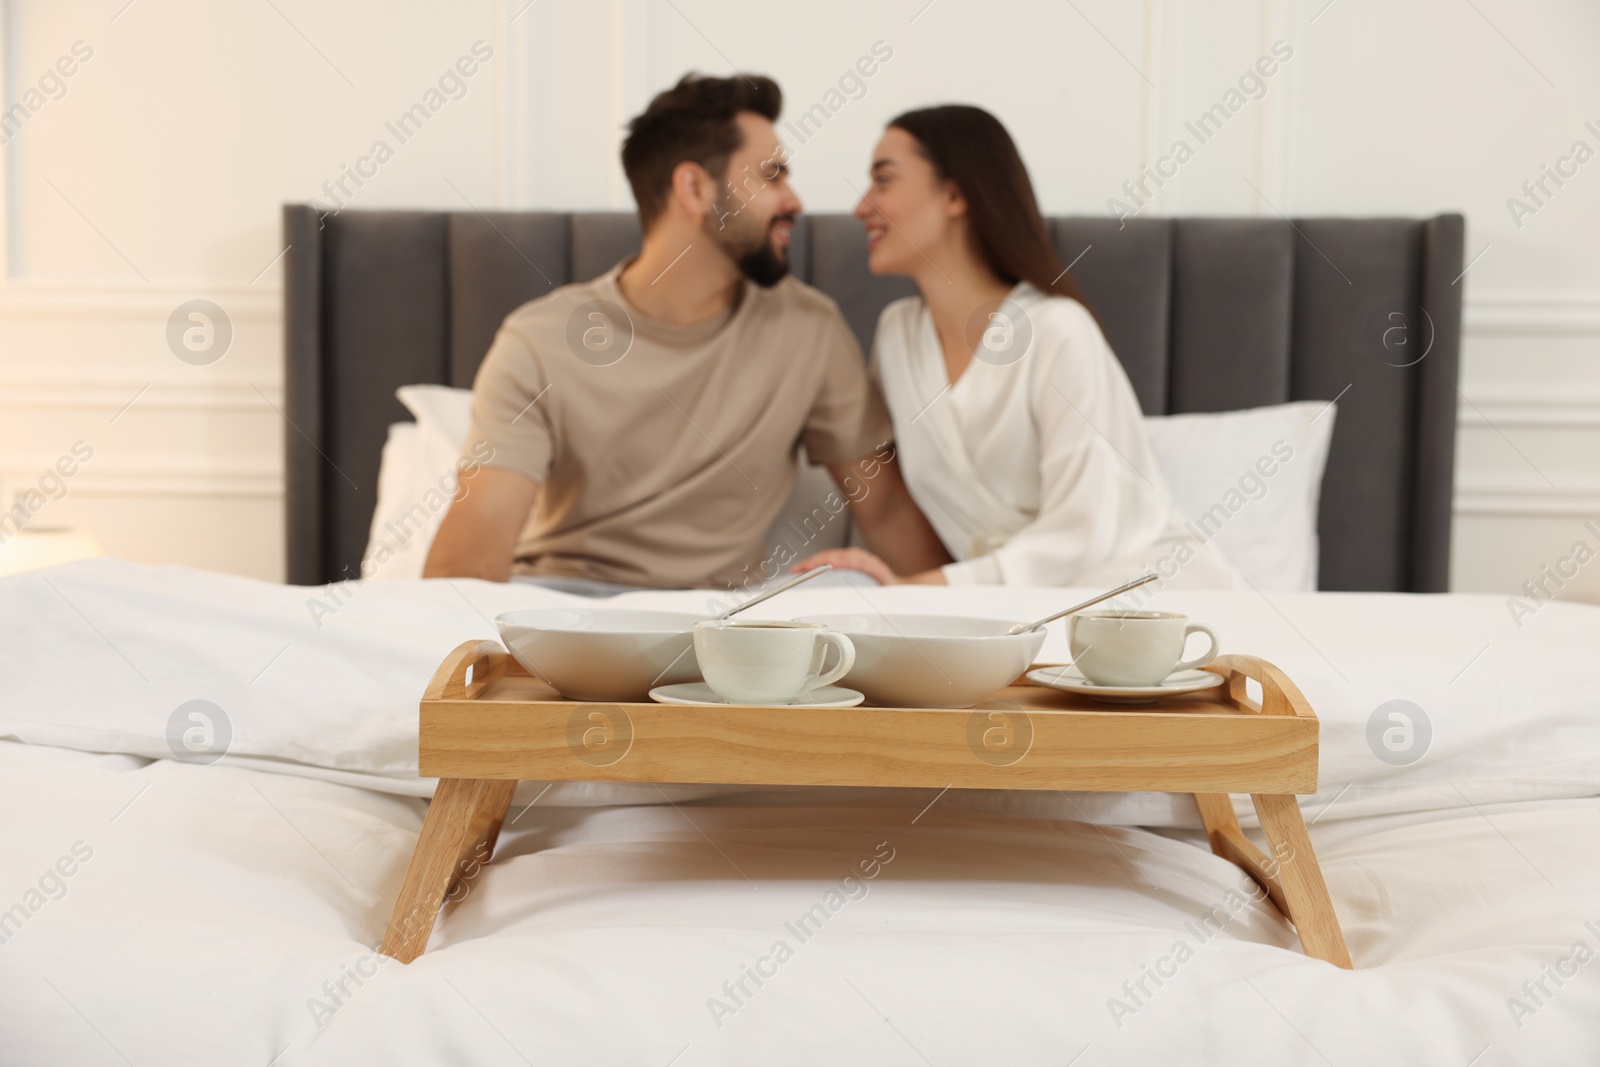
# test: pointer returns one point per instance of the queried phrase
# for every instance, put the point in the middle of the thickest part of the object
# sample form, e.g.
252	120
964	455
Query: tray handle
1279	695
486	660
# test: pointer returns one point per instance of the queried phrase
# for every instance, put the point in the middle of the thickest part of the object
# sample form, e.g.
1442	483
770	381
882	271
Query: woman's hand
853	558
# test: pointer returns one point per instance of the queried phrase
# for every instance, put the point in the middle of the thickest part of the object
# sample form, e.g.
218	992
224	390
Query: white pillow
416	479
389	554
1249	481
442	413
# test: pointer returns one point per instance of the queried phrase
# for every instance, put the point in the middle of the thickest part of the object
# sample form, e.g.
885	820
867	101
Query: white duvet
227	913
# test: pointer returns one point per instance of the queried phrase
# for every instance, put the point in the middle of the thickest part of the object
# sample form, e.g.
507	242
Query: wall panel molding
1274	125
1162	62
86	392
1547	410
1527	502
155	480
77	300
1533	315
1541	408
5	156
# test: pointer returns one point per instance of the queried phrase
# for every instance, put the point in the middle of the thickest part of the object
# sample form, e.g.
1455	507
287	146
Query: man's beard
760	262
764	265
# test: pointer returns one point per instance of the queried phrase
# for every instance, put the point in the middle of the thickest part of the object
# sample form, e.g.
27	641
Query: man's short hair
694	121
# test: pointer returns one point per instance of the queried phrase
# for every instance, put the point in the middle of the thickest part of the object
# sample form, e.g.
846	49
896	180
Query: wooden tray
486	724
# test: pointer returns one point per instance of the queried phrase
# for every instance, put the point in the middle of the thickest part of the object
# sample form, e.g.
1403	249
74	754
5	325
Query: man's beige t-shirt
665	452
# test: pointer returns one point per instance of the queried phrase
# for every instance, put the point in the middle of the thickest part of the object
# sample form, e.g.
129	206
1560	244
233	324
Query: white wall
157	178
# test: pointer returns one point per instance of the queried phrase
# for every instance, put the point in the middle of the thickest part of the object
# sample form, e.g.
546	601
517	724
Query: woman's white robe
1034	467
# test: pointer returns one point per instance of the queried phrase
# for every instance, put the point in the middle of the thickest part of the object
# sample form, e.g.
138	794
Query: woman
1018	432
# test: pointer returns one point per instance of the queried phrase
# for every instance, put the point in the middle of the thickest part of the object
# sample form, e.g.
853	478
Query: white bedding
216	900
324	681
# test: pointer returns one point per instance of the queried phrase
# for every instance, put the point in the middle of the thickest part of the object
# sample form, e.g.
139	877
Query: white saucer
1068	680
829	696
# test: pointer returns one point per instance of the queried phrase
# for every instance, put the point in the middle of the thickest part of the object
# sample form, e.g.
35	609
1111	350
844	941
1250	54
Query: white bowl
932	661
603	653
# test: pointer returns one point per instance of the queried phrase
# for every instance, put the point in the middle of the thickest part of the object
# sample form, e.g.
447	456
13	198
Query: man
644	425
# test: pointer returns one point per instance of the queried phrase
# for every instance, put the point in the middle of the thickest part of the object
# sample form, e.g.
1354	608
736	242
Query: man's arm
891	523
479	534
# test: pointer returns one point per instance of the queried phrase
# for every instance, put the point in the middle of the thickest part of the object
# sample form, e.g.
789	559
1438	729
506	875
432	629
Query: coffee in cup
768	662
1134	648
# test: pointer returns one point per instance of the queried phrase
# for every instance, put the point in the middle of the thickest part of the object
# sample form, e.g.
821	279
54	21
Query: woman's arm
859	559
890	521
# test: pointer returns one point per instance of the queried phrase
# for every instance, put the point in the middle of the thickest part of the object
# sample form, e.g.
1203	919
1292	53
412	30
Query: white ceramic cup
761	662
1134	648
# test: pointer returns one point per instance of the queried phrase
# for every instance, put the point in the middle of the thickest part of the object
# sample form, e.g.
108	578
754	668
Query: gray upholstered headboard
1206	314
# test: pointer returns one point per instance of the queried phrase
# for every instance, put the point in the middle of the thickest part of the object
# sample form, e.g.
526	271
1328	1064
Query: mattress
163	911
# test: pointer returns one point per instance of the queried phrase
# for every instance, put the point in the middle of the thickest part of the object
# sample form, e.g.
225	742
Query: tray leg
1295	887
462	823
1229	842
1304	891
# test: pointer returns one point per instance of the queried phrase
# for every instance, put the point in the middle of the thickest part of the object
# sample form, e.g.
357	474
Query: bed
212	797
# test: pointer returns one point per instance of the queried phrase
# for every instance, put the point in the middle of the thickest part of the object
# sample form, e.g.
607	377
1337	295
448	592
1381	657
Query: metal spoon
775	590
1022	628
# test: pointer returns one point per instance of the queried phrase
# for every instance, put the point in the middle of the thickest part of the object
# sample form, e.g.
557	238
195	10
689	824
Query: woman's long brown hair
970	147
